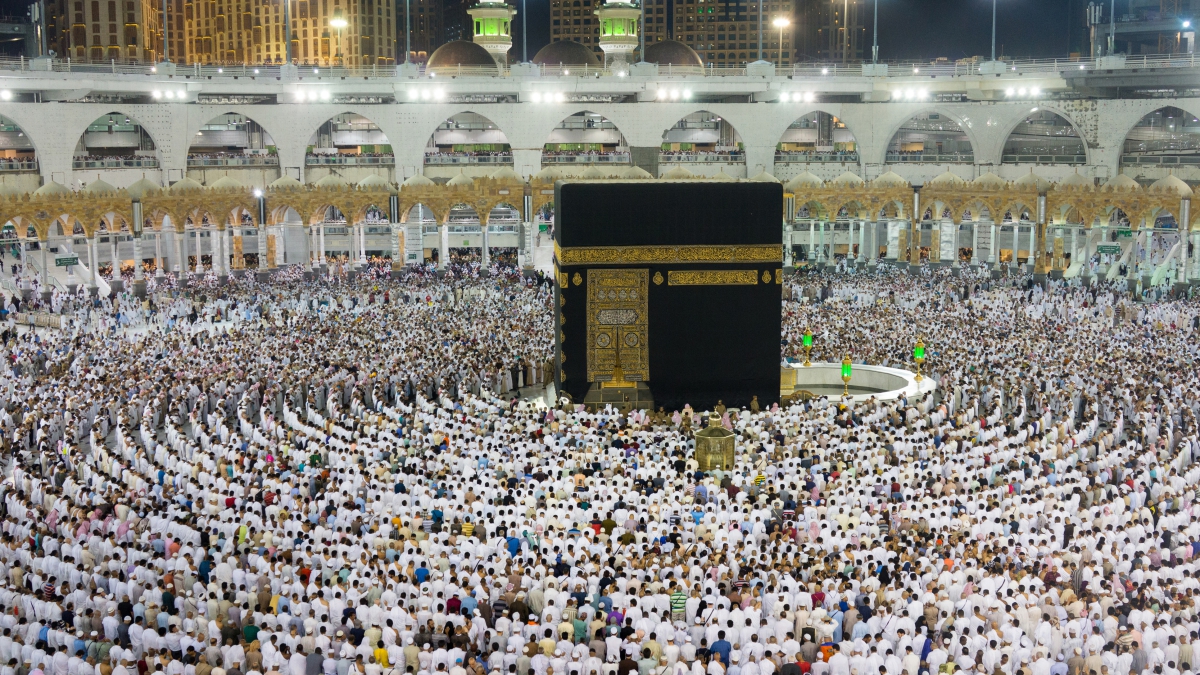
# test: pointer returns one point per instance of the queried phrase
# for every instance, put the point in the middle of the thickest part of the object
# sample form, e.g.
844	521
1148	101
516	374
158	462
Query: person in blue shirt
422	574
721	648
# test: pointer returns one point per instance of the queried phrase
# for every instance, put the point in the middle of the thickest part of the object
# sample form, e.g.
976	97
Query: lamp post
993	30
339	22
919	357
806	342
875	37
781	23
847	369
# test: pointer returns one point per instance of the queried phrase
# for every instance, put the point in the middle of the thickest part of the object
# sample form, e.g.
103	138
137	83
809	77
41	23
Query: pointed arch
931	136
702	136
817	136
1166	138
231	139
349	138
585	137
115	140
1044	137
19	145
466	137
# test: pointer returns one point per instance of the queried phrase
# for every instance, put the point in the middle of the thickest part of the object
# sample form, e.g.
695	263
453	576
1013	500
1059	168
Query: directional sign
66	260
1111	249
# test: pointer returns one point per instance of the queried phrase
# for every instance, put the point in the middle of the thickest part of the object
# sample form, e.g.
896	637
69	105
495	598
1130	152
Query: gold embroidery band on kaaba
627	255
712	277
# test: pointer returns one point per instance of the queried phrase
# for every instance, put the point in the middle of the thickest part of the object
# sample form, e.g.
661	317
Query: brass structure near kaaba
714	446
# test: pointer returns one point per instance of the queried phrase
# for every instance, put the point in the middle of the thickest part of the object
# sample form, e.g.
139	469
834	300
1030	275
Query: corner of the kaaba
674	284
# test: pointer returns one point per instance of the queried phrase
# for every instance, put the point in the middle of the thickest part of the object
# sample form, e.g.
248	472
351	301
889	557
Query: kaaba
672	287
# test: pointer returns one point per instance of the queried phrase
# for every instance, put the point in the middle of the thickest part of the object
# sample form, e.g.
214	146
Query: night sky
909	29
927	29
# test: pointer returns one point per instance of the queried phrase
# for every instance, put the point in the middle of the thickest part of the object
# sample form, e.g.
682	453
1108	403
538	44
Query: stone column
179	274
92	263
159	263
44	276
395	232
955	245
117	284
1086	260
821	257
1195	276
321	246
974	243
443	245
221	256
263	264
862	241
812	240
1184	225
1146	268
485	258
1031	261
139	279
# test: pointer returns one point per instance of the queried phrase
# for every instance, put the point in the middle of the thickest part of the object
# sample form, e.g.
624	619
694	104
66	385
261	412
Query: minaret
618	30
493	28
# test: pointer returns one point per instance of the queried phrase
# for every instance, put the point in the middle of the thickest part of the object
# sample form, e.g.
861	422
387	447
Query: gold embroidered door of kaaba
617	317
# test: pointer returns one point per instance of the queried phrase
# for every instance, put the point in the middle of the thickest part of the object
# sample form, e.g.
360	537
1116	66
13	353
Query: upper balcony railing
350	160
585	158
194	161
114	163
801	157
896	69
465	158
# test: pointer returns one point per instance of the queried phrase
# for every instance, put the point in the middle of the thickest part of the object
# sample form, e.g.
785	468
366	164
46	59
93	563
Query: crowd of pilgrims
349	477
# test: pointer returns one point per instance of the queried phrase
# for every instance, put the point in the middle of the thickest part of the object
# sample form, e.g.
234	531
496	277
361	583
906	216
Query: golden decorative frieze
715	277
633	255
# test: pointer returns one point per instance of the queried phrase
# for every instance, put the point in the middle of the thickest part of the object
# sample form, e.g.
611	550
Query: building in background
226	32
424	26
832	31
1144	27
102	30
456	20
576	21
725	32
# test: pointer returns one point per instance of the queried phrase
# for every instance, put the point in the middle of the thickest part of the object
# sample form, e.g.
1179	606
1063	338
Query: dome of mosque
52	188
98	187
374	182
1076	180
417	180
636	173
890	179
1032	180
566	53
457	53
141	187
806	179
722	176
678	173
332	180
1122	182
764	177
673	53
506	173
847	178
225	182
990	180
1171	183
286	182
593	173
461	179
947	179
548	174
185	184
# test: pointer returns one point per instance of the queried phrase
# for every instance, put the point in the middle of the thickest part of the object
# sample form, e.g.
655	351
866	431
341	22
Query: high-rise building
726	32
229	32
456	21
1144	27
576	21
425	32
832	31
102	30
